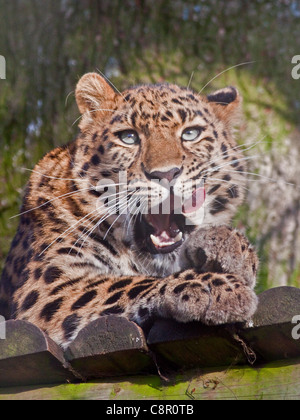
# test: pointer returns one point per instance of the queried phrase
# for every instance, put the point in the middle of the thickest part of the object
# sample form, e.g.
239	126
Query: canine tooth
155	240
178	237
159	243
162	244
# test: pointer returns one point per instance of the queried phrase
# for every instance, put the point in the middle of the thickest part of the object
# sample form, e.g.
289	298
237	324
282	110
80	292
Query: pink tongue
195	202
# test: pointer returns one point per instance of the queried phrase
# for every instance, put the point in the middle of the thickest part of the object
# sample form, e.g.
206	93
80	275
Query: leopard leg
187	296
211	298
217	290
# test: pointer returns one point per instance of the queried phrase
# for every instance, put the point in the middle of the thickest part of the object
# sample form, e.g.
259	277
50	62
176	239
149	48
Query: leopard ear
226	104
92	92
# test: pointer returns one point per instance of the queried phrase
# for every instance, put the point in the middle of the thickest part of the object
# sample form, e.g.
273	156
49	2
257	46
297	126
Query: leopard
134	217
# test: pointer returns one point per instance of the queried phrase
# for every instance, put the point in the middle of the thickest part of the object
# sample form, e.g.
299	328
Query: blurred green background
49	44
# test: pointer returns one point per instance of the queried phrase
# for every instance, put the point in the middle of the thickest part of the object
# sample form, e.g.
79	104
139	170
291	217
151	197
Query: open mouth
163	233
160	233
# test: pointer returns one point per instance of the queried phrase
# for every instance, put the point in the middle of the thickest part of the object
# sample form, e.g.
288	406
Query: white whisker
137	210
98	211
50	201
190	81
87	232
224	180
72	228
263	177
52	177
69	94
110	82
90	232
98	110
126	207
224	71
217	168
116	89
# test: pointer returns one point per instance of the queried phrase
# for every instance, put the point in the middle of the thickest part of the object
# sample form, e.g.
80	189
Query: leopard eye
129	137
191	134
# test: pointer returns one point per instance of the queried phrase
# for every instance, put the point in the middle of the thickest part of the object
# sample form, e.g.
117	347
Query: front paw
223	250
210	298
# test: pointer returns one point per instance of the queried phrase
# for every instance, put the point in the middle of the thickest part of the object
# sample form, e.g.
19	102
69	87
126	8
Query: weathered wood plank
28	356
114	346
110	346
268	337
272	381
271	334
277	306
192	345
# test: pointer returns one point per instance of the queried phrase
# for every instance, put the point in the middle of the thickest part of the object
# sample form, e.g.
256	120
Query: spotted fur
66	269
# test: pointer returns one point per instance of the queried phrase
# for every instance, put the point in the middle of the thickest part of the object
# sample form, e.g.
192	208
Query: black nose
169	175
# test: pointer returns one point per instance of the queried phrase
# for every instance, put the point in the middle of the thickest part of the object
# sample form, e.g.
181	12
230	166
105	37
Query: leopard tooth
178	237
156	241
160	244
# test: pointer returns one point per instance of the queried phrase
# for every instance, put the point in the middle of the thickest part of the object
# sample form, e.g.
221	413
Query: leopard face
176	153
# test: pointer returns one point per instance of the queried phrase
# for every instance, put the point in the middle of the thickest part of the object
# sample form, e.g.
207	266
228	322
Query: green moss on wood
280	380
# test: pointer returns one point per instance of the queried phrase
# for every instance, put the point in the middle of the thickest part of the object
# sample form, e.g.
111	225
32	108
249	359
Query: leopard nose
169	175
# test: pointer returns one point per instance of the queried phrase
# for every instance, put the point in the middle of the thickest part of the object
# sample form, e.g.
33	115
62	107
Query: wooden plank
110	346
277	306
272	381
192	345
114	346
268	337
271	333
28	356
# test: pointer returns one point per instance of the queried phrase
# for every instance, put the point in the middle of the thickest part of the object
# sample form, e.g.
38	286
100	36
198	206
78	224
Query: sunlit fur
69	243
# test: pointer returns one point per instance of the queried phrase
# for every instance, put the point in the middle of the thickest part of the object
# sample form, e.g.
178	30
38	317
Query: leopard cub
133	217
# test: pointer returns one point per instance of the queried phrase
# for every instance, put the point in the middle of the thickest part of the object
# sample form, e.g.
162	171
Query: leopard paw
222	250
231	300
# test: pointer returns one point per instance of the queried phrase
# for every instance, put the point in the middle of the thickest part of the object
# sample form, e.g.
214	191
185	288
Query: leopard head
170	154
